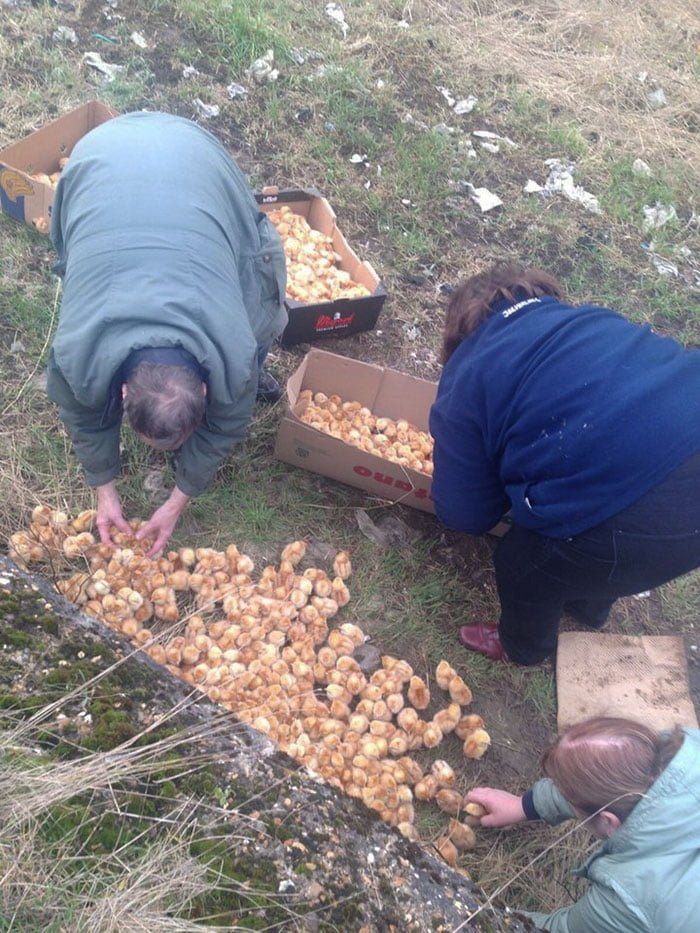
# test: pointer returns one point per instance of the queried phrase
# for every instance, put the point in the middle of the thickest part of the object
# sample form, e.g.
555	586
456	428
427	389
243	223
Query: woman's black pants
651	542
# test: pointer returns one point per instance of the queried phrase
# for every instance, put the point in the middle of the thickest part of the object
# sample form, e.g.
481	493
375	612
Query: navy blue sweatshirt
563	415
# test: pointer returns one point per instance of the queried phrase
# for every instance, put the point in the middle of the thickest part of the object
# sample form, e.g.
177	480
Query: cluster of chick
41	223
312	271
53	178
263	648
398	441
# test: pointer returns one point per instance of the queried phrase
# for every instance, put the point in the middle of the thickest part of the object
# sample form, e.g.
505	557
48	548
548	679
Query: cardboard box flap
386	392
41	150
333	374
399	394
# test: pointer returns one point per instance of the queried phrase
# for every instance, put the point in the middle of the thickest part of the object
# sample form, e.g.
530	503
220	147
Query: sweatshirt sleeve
466	488
600	910
95	440
203	452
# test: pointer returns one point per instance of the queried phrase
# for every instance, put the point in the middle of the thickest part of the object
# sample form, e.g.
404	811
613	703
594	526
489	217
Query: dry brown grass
586	58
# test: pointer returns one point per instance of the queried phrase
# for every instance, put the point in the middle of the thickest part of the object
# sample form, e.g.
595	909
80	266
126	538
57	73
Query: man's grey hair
164	404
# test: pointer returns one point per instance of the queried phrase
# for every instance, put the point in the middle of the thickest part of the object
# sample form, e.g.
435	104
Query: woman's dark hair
608	763
165	404
471	303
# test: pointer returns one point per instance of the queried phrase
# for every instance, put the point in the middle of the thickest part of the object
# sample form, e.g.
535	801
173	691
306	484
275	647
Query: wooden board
644	678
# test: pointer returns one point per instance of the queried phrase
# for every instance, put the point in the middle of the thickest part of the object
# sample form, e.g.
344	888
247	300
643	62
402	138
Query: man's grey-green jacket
645	878
160	244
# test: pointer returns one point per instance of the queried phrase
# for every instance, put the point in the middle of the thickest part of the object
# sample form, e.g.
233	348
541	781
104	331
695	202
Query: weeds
560	81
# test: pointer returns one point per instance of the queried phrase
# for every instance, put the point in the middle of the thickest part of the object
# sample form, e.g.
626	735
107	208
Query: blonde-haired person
639	792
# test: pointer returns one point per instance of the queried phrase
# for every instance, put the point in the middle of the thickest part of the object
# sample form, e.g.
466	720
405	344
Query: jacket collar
165	356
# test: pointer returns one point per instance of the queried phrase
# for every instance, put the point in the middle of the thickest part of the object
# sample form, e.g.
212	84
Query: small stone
640	167
314	891
368	657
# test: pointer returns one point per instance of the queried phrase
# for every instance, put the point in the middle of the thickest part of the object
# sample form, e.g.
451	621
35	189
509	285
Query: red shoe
483	639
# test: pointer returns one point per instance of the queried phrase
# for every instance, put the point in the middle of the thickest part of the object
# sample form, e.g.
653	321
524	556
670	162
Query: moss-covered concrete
276	843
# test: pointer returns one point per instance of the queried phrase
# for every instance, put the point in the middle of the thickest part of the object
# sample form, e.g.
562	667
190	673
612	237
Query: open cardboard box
387	393
338	318
21	196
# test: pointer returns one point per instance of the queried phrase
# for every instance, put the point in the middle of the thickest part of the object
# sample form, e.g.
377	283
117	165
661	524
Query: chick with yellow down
262	648
312	271
398	441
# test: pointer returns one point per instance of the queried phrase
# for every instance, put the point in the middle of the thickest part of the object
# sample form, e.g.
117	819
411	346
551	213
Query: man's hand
162	523
502	808
109	513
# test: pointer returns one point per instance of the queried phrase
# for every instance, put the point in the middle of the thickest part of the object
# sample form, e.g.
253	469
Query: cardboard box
342	317
387	393
21	196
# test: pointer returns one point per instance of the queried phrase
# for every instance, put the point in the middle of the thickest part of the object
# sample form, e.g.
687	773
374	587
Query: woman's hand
162	523
109	513
502	808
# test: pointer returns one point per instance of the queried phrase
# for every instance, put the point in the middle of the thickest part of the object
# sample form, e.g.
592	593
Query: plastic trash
640	167
335	11
658	215
561	181
95	60
236	90
206	110
65	34
485	199
262	71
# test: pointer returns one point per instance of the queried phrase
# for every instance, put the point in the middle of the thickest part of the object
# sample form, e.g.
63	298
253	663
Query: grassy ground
558	82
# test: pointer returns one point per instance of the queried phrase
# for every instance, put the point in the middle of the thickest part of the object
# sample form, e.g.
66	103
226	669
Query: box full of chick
263	648
398	440
312	263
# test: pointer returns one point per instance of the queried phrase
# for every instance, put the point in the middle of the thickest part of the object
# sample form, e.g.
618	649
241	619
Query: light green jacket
161	244
645	878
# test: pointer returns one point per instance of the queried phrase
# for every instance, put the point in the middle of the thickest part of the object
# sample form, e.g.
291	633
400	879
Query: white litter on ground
262	70
206	110
336	13
95	60
657	98
640	167
561	181
65	34
465	104
484	198
658	215
236	90
494	137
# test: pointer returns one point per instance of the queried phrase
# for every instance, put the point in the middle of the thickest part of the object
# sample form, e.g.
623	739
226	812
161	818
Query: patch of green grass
240	31
130	88
680	600
539	689
566	141
627	192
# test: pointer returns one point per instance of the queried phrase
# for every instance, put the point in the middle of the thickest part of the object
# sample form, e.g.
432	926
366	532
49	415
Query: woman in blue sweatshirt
585	427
